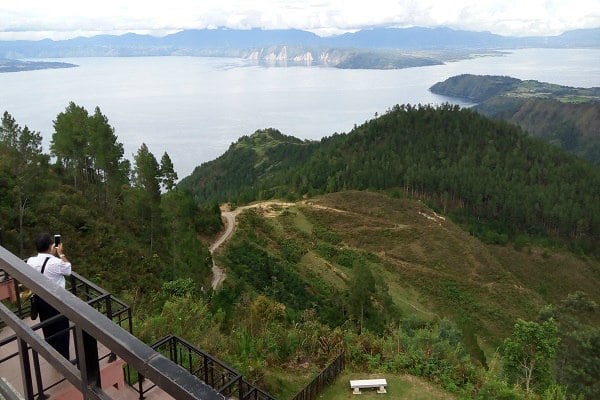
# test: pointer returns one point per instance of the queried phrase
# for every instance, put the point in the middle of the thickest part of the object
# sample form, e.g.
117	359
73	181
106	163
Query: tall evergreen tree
70	141
146	175
106	153
361	291
167	173
24	160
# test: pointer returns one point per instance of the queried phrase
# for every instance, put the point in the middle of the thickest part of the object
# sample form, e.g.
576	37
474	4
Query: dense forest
565	116
376	272
488	174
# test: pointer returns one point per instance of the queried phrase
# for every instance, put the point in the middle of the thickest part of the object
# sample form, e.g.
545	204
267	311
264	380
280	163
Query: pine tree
146	176
25	159
167	173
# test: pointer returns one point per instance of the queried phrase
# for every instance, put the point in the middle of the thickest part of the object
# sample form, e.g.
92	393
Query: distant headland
8	65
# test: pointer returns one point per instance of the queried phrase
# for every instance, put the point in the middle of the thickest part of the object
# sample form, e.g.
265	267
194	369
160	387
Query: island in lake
8	65
566	116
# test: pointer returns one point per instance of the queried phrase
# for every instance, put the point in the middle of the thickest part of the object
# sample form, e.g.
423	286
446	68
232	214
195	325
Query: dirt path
229	218
230	222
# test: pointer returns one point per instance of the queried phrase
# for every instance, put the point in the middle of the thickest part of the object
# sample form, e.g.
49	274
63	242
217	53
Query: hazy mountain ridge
239	43
566	116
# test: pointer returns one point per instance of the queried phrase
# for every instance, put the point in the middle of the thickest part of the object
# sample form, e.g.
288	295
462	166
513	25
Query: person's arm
65	263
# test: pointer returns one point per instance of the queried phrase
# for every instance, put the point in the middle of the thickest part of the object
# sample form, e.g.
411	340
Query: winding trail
229	218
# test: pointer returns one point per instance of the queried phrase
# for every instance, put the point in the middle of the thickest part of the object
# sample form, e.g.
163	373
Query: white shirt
55	270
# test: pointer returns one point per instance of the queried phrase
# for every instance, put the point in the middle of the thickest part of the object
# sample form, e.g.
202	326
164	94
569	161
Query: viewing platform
108	362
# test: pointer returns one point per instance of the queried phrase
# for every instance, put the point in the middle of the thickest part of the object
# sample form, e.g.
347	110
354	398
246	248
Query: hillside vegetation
405	277
384	275
565	116
466	241
430	266
499	183
109	210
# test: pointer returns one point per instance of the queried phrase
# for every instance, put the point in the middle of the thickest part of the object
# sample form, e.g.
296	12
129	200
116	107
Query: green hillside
489	175
425	272
470	226
419	231
431	266
565	116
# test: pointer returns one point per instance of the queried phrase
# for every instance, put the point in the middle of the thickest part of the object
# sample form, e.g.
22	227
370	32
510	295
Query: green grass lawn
404	387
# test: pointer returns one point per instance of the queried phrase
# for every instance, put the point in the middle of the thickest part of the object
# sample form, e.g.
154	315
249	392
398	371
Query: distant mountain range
288	44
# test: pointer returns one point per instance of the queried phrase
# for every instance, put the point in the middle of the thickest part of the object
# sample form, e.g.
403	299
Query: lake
194	108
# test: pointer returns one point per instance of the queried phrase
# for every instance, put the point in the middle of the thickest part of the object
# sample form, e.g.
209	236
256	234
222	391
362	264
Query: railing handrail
169	376
313	389
195	349
235	377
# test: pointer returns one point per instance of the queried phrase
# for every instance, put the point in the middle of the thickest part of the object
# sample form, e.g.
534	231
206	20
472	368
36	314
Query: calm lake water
194	108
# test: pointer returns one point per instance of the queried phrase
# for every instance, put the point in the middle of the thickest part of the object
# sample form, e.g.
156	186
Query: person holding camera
54	265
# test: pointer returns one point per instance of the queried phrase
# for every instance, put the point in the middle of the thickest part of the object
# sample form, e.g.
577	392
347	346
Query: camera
56	240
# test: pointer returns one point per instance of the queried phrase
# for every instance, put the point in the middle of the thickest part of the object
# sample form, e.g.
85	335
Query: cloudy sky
59	19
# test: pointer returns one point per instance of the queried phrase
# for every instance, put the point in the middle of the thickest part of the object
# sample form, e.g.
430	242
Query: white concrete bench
380	384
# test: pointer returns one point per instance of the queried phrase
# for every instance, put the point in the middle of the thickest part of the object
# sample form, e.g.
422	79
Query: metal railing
90	328
210	370
324	379
101	300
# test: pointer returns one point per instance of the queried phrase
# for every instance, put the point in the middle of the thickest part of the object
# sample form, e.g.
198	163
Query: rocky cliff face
283	55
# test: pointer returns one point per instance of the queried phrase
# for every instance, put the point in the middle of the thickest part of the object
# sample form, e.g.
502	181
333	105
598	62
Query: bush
498	390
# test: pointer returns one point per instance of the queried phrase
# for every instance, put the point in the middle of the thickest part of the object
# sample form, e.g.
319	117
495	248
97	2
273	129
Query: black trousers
56	332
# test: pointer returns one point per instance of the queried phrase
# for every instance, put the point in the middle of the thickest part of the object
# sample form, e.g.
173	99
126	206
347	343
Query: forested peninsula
7	65
565	116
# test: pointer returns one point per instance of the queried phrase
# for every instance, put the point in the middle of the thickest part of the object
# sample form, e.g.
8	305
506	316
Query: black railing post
25	369
205	362
130	322
112	356
73	281
140	386
38	375
89	364
173	350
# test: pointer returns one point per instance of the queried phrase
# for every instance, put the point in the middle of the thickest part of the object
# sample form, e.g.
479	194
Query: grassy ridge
431	267
494	179
431	277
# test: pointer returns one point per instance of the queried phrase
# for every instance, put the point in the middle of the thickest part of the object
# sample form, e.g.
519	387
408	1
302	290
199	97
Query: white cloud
68	18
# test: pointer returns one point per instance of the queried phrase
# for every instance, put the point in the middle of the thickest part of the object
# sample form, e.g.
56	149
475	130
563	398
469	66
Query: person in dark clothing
55	267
